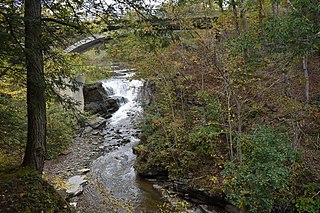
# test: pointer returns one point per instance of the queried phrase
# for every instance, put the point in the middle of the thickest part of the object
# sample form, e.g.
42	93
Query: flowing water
113	171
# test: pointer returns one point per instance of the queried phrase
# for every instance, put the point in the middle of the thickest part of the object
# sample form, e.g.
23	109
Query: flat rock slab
75	185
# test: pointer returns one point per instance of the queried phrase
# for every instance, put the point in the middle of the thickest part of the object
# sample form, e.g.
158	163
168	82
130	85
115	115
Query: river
114	185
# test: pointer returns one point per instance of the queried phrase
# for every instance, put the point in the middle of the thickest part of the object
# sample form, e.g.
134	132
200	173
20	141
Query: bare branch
6	69
12	31
317	194
61	22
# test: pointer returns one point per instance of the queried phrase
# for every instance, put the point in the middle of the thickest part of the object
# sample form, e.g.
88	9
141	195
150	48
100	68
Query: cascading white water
114	169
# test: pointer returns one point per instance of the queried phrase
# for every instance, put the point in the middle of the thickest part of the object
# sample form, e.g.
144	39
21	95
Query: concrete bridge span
87	43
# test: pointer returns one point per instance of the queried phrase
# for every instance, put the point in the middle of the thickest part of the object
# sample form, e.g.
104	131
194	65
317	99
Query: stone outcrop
214	197
146	169
97	101
154	172
147	91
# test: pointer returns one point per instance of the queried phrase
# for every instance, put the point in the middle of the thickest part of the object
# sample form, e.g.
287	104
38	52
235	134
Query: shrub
59	130
310	200
261	182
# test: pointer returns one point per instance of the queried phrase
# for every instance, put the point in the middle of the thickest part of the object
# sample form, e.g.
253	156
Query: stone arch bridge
92	41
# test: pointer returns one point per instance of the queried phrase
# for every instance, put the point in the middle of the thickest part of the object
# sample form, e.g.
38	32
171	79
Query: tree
36	82
36	100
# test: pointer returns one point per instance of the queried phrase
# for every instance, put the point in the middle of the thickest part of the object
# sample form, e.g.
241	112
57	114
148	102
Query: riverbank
77	159
79	155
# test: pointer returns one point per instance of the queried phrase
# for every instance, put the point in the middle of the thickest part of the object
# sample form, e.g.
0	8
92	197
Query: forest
231	95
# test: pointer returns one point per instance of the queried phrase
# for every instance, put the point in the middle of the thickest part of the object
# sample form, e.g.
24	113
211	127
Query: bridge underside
87	44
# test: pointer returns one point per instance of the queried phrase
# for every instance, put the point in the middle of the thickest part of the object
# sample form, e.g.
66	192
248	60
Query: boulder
120	100
94	92
97	101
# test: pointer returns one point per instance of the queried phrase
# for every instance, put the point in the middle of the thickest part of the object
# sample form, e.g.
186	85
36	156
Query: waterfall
114	169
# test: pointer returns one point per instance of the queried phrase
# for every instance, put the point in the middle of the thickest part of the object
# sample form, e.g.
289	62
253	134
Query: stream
113	178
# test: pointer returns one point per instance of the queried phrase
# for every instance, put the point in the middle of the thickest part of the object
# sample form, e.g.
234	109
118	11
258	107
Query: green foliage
203	136
307	204
7	160
208	108
173	203
262	181
203	139
59	130
95	65
13	122
176	143
310	200
292	34
13	125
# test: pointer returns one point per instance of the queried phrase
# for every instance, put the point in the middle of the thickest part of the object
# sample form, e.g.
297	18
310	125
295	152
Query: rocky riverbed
96	173
101	157
76	160
76	163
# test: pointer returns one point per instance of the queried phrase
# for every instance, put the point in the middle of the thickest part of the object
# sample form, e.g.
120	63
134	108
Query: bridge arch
88	43
81	47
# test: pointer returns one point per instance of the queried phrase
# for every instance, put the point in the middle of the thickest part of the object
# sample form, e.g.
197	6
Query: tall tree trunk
244	28
229	122
306	76
235	16
261	11
239	145
273	6
36	102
